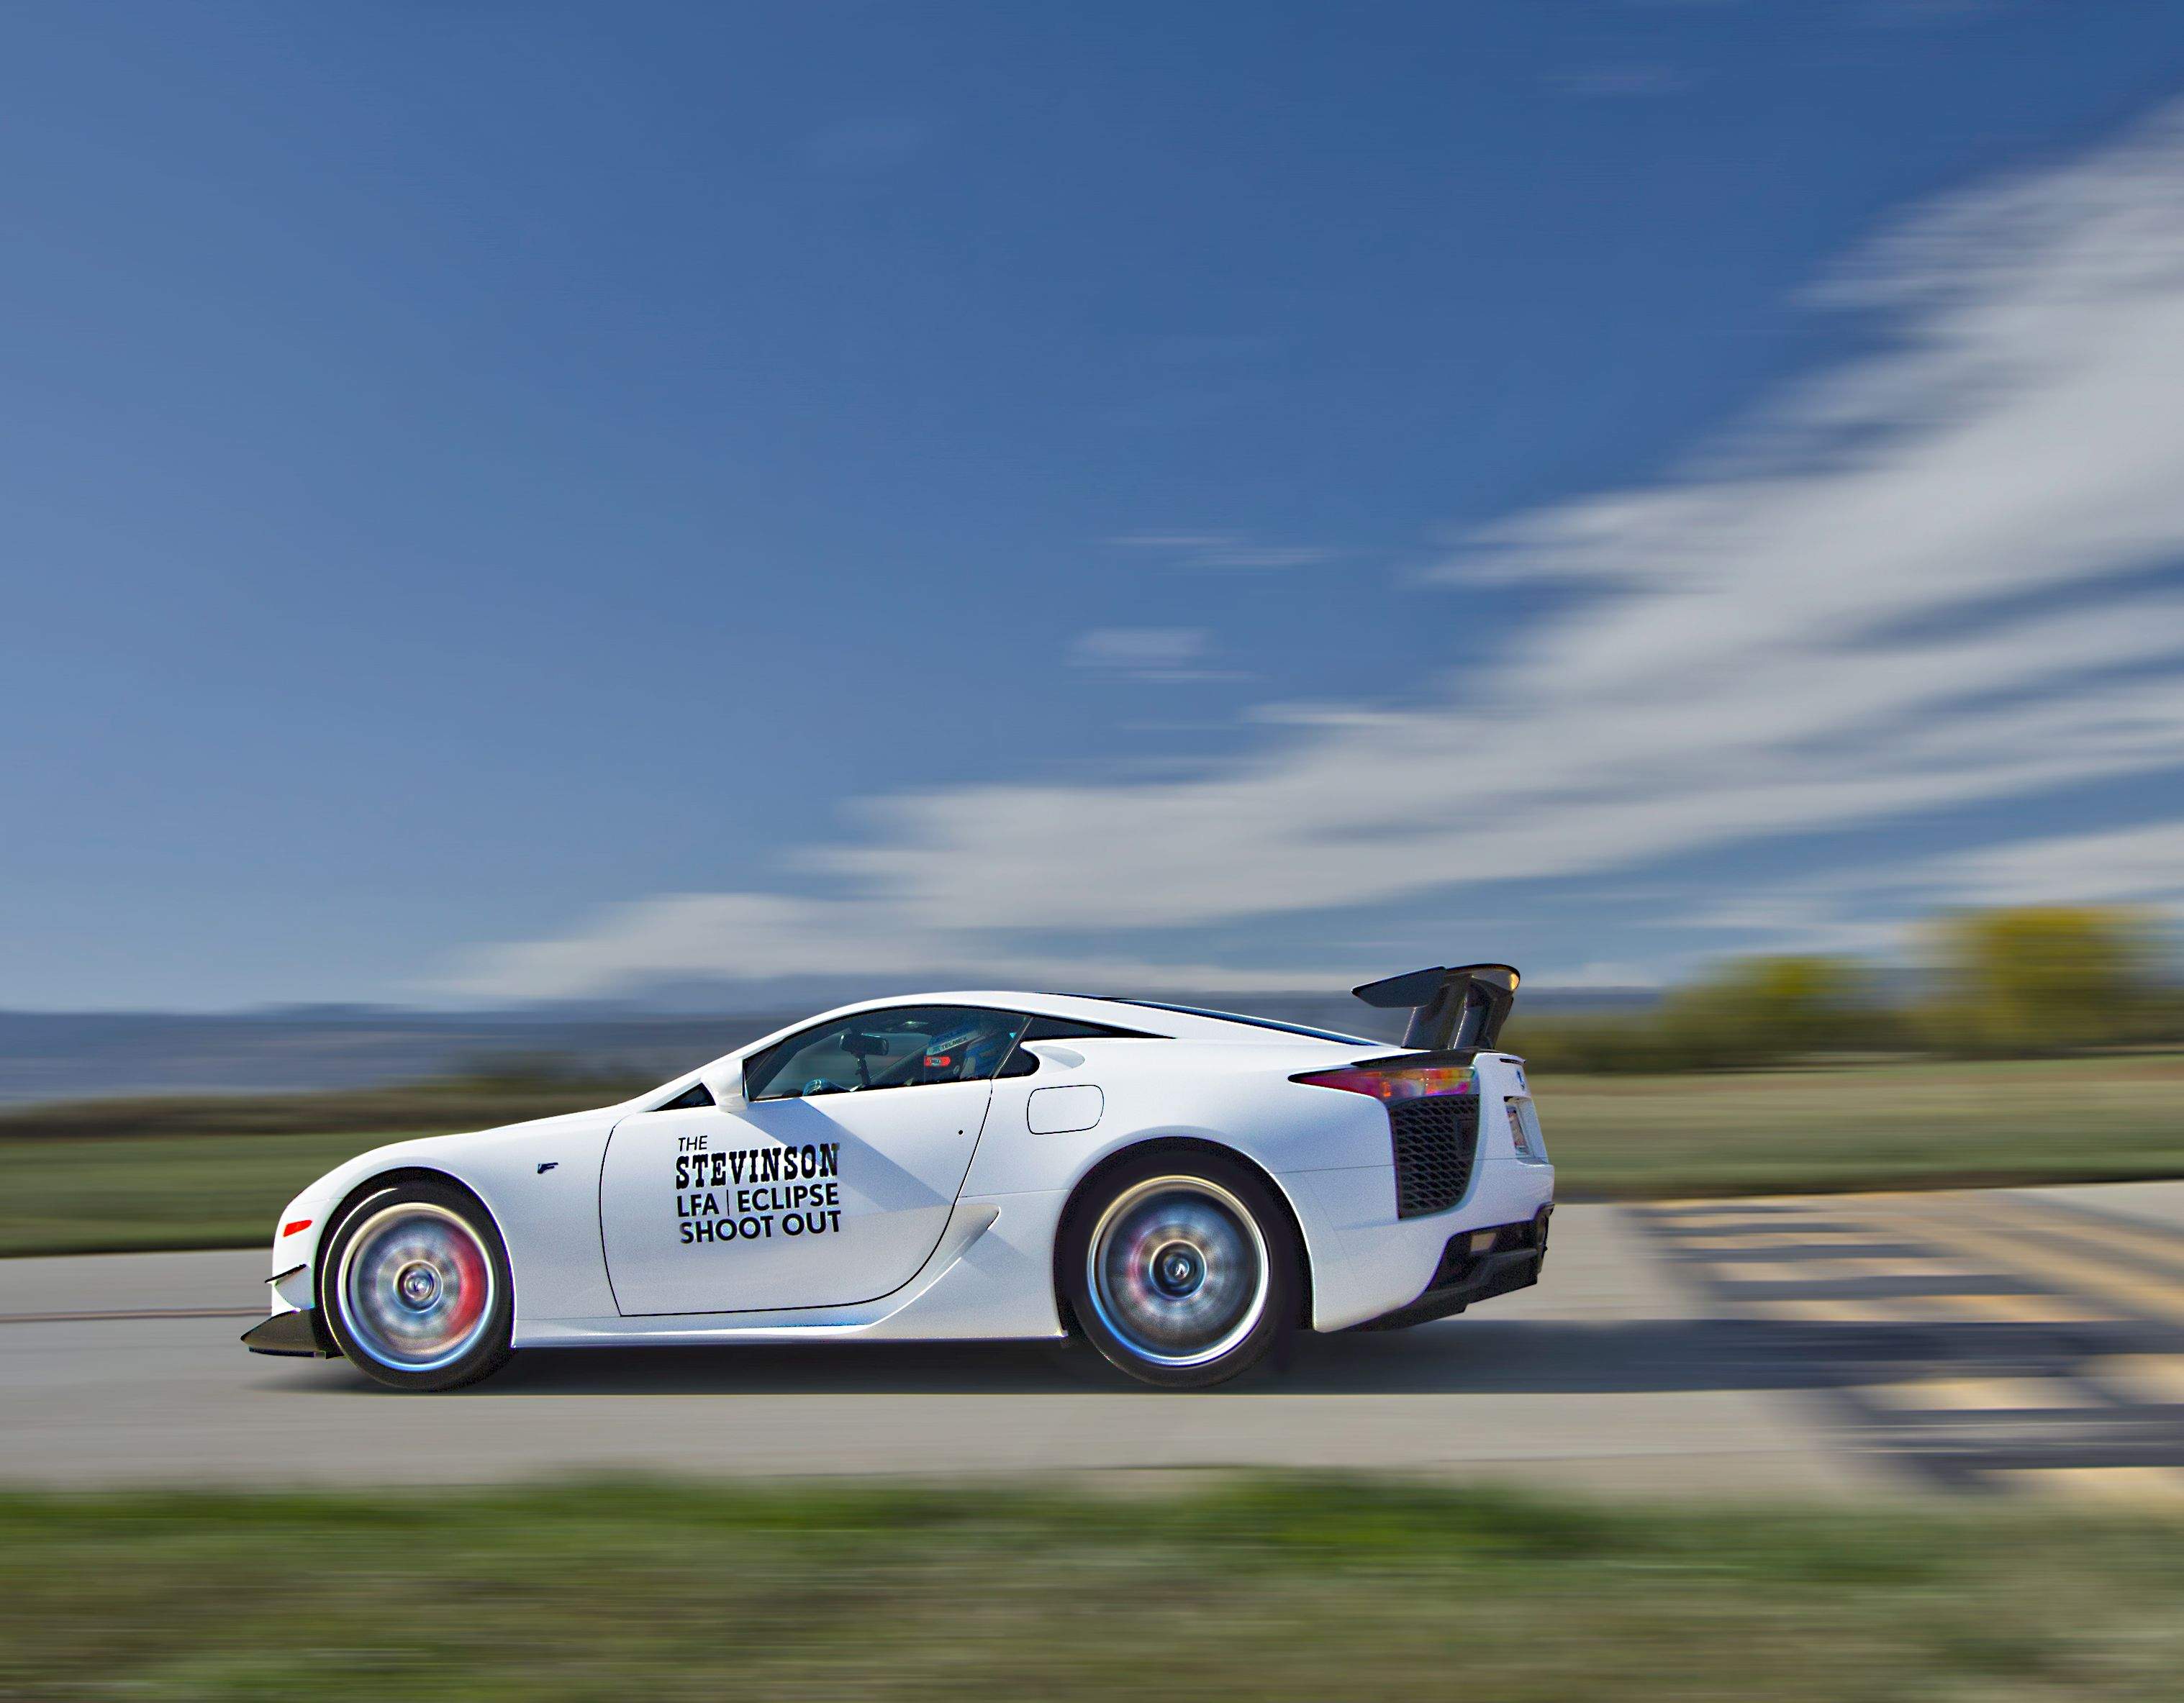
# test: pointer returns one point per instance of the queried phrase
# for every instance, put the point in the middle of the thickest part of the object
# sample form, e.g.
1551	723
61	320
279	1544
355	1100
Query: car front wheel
415	1288
1182	1269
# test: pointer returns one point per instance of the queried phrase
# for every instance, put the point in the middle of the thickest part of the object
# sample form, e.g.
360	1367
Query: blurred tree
2011	982
2043	979
1748	1012
1761	1011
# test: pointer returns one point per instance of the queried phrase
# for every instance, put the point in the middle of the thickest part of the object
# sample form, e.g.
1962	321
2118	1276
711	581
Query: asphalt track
1990	1342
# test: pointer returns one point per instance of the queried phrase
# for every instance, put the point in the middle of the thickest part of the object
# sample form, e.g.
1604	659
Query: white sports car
1182	1187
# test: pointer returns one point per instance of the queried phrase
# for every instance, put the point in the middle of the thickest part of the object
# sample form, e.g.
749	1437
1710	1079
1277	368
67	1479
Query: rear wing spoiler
1461	1007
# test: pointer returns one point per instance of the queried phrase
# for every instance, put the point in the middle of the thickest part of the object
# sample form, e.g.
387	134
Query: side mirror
727	1086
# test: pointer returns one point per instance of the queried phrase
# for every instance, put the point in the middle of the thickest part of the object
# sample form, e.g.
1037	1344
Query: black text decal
755	1194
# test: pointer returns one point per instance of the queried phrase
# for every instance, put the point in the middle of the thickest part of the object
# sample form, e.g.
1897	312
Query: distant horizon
71	1055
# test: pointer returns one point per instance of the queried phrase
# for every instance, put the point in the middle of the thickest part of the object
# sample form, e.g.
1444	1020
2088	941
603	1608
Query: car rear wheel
415	1288
1182	1269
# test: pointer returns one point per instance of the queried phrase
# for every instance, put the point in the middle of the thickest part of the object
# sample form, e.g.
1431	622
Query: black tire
415	1288
1182	1267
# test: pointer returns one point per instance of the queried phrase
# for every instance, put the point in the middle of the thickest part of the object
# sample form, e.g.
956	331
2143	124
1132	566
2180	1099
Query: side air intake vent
1435	1139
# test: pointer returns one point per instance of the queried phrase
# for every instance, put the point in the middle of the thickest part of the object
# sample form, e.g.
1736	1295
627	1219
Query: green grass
425	1108
1300	1589
81	1179
145	1193
1888	1126
211	1171
132	1192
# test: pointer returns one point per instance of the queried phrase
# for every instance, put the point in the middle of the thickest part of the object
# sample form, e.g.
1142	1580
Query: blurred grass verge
1261	1587
68	1185
1961	1124
211	1171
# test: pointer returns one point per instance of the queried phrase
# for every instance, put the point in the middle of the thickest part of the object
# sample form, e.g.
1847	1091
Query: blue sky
528	501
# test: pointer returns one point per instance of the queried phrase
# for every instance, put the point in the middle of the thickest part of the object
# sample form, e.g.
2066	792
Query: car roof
1175	1022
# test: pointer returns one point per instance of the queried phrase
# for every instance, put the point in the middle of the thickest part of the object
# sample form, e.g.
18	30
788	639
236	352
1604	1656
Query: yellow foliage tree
1757	1010
2043	978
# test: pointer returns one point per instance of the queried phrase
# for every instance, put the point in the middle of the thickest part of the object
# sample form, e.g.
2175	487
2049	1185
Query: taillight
294	1224
1396	1082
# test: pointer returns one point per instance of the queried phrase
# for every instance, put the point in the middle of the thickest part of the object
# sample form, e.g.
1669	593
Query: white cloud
1226	550
1861	910
1168	656
758	937
2136	866
1896	590
1137	647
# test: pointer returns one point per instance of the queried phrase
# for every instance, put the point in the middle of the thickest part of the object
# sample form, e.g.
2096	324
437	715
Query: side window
902	1047
696	1094
1076	1029
1023	1064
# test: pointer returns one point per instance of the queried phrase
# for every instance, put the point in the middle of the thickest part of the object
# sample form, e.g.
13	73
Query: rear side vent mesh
1435	1139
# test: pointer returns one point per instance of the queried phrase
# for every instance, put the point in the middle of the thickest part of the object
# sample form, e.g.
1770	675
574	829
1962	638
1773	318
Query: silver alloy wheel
417	1286
1179	1271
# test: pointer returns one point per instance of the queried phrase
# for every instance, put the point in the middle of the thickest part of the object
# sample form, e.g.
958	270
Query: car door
828	1181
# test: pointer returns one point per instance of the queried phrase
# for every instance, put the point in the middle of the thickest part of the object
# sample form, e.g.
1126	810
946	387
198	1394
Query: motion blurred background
542	542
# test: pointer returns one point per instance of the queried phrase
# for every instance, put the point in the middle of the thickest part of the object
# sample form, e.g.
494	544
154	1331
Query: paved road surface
1993	1341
